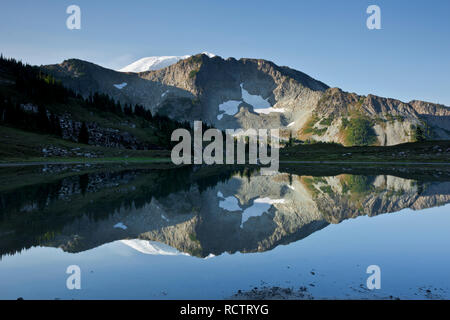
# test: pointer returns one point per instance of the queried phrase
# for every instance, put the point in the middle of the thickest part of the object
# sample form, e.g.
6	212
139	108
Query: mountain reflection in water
196	211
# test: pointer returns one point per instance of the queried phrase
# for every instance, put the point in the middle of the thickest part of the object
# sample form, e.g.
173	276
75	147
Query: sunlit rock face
177	213
255	93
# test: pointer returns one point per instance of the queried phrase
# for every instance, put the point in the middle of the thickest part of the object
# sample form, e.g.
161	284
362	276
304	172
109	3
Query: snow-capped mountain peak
156	63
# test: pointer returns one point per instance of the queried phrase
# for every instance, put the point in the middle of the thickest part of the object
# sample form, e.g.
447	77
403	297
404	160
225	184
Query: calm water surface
198	233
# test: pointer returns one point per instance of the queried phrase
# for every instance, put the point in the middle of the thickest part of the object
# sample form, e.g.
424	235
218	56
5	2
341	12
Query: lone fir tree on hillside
83	136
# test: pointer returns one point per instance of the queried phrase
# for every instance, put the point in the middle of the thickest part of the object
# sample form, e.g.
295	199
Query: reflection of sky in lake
411	247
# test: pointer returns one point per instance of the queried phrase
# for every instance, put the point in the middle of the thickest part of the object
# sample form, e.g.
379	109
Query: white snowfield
229	107
259	104
120	225
152	247
260	206
156	63
269	201
121	85
229	203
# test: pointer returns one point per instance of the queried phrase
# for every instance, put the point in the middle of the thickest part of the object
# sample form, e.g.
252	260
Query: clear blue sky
409	58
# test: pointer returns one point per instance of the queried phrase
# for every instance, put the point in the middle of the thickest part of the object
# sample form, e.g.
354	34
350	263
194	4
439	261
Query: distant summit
156	63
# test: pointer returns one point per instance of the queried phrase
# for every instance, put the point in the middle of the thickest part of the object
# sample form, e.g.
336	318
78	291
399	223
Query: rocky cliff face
253	93
246	93
393	121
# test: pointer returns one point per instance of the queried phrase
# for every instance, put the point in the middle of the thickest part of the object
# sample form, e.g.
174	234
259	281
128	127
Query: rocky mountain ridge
248	212
244	216
255	93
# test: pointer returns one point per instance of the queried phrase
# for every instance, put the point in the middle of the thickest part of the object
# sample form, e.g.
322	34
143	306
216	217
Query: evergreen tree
43	123
56	125
83	136
290	141
419	134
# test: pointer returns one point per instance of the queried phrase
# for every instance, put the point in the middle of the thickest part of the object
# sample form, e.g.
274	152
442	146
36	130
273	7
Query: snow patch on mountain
230	204
260	206
209	54
260	105
256	101
121	85
229	107
269	110
152	247
156	63
120	225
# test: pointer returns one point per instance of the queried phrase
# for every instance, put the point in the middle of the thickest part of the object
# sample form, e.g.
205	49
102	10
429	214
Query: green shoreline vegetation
18	146
425	151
